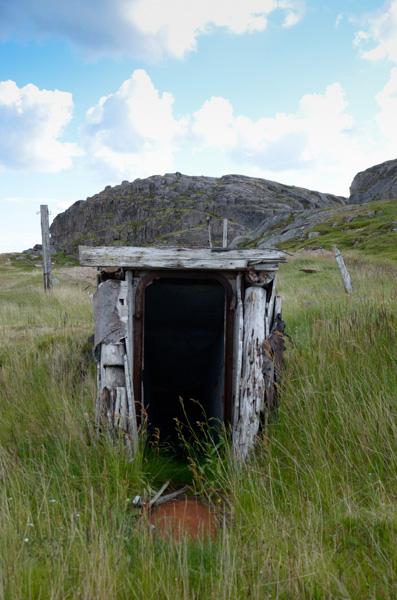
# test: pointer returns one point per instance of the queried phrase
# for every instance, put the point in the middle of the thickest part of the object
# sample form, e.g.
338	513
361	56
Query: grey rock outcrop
376	183
299	225
174	210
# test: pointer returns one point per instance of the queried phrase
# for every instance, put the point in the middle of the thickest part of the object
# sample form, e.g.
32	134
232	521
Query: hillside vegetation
371	229
313	514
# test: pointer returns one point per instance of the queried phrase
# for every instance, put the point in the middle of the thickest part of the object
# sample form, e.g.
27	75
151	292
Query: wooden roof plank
180	258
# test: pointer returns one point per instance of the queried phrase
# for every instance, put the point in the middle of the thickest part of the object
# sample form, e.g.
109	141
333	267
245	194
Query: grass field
313	514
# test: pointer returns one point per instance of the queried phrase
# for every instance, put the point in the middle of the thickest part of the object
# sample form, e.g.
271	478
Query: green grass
313	513
368	234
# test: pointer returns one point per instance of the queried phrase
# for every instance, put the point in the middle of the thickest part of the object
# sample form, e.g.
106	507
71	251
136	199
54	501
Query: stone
376	183
173	210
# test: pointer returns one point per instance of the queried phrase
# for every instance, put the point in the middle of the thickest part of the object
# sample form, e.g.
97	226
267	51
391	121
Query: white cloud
338	21
134	133
294	11
380	32
386	118
31	122
313	137
140	28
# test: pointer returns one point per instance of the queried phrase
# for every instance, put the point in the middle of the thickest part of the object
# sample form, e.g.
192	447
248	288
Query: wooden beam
224	241
224	259
347	282
45	237
237	350
252	392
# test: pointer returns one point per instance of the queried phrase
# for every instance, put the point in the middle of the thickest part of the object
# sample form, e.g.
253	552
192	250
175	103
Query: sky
95	92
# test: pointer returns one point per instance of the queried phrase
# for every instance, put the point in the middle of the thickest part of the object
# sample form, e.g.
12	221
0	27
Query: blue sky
92	93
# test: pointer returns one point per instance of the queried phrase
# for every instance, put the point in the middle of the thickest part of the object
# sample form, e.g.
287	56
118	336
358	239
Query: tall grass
311	515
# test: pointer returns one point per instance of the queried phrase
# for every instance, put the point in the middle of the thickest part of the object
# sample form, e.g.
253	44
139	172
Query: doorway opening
184	354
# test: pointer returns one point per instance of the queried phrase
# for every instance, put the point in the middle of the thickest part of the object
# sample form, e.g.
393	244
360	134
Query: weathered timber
110	325
347	282
112	355
249	342
274	357
45	236
270	307
159	493
181	258
210	243
224	238
132	427
253	385
277	309
171	496
238	350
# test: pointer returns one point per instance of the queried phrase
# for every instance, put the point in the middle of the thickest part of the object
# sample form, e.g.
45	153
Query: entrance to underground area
187	354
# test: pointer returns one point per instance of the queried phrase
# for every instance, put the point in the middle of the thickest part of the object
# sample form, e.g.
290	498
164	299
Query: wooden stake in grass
344	272
45	236
210	243
224	241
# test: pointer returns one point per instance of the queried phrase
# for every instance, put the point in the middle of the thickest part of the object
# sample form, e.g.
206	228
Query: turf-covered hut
176	324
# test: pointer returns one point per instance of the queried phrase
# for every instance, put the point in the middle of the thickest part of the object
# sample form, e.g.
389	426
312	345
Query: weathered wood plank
132	424
224	238
129	362
237	350
270	306
347	282
277	308
45	237
181	258
112	355
253	385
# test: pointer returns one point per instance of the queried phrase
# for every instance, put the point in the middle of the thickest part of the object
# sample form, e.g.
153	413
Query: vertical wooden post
252	389
224	233
347	282
209	232
45	236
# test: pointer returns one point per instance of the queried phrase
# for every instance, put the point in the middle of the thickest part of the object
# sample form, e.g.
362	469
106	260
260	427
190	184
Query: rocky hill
175	209
376	183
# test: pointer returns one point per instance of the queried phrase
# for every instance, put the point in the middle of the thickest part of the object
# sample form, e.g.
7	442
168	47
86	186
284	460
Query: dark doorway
184	353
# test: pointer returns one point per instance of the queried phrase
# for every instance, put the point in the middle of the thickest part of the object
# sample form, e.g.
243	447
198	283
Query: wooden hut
185	323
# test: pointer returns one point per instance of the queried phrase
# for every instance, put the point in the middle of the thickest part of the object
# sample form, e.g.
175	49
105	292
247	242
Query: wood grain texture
180	258
253	385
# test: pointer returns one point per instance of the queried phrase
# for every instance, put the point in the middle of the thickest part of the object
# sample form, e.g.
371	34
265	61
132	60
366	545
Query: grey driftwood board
250	273
181	258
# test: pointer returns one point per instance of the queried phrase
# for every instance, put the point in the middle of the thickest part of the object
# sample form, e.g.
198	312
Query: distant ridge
175	209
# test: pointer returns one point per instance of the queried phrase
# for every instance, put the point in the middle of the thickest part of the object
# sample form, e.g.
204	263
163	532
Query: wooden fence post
45	236
344	272
225	223
209	232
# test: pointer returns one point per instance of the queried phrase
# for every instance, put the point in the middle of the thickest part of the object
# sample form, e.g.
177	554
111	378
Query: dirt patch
87	274
314	252
186	517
